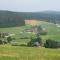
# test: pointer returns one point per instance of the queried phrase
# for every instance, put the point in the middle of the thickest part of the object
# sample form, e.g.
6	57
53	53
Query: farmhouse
32	29
36	27
33	23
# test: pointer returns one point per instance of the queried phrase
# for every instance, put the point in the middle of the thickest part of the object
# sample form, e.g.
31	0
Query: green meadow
28	53
8	52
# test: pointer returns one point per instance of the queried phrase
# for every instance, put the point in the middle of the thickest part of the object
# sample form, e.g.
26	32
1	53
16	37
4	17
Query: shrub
43	33
51	44
24	38
35	42
9	39
4	42
1	42
15	44
24	45
58	44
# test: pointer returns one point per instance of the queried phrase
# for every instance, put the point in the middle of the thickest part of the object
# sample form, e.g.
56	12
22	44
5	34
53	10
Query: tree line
11	19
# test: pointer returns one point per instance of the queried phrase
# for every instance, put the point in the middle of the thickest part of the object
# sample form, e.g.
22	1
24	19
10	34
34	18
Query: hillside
53	32
10	19
8	52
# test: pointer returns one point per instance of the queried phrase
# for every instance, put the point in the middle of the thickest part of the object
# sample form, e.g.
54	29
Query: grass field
53	32
8	52
28	53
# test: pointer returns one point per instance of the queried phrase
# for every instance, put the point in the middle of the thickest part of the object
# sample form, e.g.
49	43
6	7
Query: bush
23	45
35	42
58	44
15	44
4	42
9	39
51	44
24	38
1	42
43	33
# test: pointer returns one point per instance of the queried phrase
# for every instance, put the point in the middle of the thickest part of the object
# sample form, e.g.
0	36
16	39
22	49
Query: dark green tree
37	41
9	39
51	43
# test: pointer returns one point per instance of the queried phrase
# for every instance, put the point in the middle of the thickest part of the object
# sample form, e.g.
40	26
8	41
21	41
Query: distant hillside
10	19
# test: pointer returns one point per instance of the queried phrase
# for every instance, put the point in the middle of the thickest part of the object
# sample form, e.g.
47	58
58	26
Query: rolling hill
53	32
8	52
11	19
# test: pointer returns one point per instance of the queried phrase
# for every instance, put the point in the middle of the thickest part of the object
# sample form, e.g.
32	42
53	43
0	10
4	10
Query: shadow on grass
23	45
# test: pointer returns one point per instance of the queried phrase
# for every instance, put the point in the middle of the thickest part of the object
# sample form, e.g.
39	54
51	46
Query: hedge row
48	44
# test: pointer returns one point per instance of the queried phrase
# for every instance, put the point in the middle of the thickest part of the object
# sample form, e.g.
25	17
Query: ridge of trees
11	19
